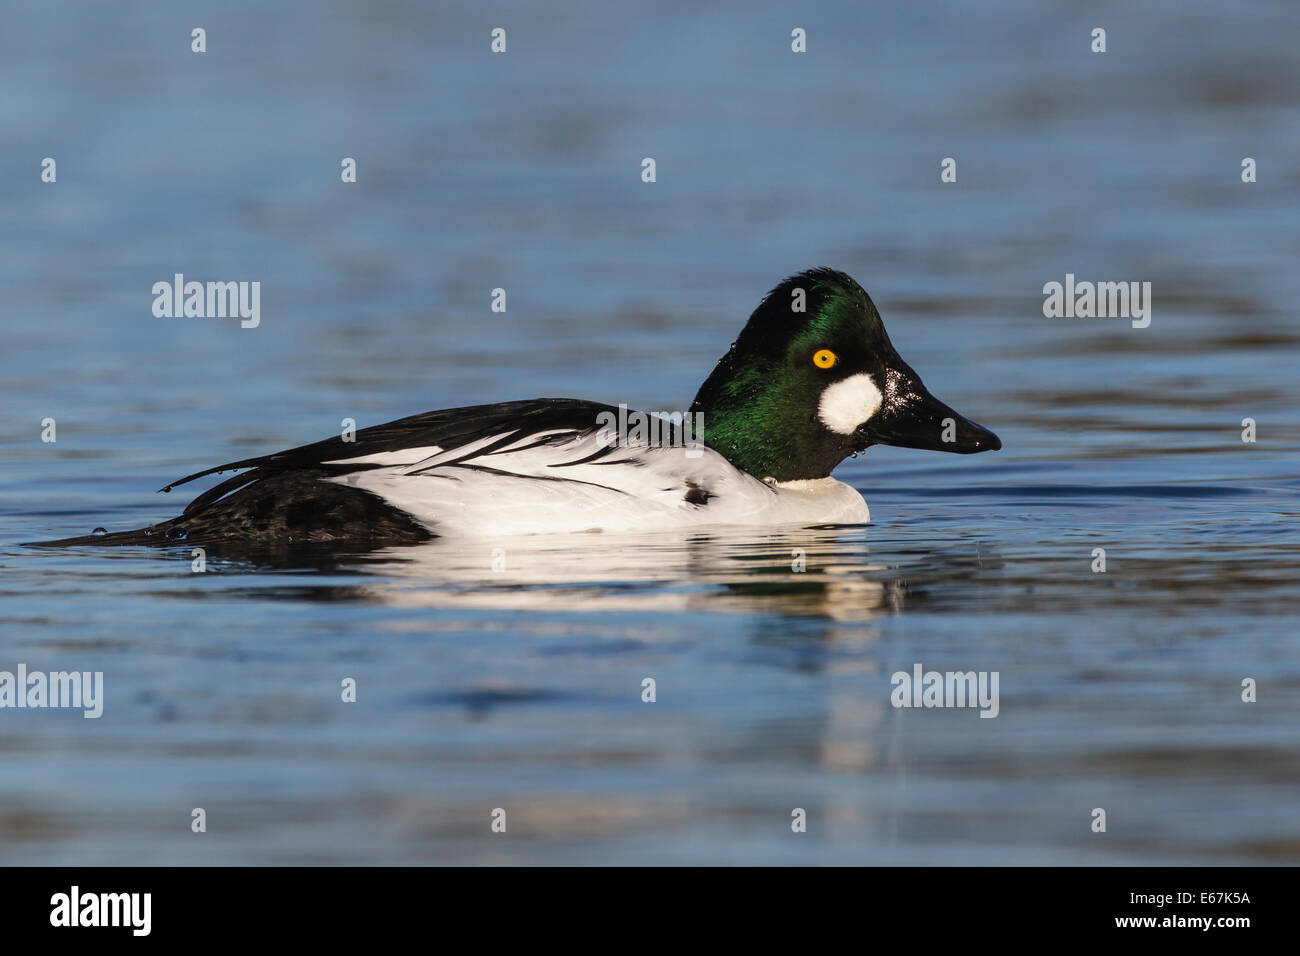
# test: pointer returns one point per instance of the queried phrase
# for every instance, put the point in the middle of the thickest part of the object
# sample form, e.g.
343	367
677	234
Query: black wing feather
447	428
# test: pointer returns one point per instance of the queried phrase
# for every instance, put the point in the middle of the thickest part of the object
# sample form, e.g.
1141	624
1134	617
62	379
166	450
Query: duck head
813	379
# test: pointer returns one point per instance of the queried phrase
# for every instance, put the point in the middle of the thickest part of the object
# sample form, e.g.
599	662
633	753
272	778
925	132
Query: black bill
911	417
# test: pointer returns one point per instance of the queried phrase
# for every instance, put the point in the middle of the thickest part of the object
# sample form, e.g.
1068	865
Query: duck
811	380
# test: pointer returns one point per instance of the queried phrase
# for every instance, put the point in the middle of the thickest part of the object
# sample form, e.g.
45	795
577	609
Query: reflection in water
822	571
825	571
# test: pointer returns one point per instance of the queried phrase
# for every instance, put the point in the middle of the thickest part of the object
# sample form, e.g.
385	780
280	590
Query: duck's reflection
826	572
815	571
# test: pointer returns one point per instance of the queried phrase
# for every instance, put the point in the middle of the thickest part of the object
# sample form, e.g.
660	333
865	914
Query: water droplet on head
100	531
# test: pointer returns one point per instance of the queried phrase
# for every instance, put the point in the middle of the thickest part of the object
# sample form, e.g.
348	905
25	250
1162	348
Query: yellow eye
825	358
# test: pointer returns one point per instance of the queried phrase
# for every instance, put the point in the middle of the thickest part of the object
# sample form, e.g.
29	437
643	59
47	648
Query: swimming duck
811	380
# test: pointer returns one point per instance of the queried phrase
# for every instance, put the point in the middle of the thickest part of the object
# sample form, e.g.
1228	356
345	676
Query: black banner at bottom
335	906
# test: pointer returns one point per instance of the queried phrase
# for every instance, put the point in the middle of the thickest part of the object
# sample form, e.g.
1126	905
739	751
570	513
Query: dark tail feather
216	470
259	507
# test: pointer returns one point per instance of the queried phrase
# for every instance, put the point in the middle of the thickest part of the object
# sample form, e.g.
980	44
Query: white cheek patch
848	403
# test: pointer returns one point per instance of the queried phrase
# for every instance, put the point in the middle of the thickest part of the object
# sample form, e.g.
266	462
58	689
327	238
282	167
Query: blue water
520	688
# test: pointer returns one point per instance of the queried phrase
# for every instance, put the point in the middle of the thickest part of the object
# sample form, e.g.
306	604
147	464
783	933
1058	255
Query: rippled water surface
520	687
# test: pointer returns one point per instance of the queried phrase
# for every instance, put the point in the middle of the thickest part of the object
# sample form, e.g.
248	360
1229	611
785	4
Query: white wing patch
404	456
848	403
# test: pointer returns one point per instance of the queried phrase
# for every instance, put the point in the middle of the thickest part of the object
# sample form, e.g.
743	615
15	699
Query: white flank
534	491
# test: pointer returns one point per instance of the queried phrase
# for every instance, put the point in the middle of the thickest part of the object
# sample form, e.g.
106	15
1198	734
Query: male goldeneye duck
811	379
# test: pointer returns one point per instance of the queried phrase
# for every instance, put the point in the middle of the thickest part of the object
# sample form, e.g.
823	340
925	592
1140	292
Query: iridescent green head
813	378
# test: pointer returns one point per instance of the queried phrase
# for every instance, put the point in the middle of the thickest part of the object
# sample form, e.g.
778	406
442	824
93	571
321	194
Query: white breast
456	492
